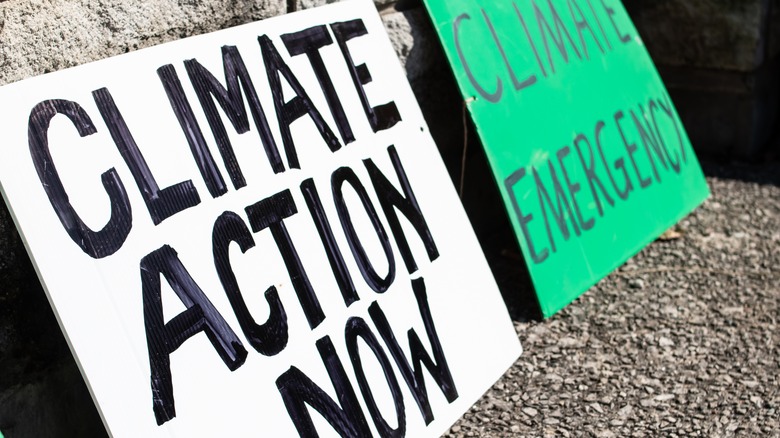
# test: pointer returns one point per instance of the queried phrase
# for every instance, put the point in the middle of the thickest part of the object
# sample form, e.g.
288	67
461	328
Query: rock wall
714	34
40	36
720	60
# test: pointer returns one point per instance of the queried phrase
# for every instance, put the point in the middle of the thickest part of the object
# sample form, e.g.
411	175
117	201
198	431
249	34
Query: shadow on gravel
442	105
760	173
761	170
485	209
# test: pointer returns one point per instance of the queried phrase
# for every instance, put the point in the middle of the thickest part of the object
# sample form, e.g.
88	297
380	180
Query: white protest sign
251	233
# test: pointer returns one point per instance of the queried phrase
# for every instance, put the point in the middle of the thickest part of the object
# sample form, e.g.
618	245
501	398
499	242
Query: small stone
531	412
625	411
636	283
646	403
556	413
568	342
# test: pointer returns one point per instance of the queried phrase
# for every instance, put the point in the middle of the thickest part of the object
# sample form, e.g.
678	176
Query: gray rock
715	34
636	283
720	60
40	36
306	4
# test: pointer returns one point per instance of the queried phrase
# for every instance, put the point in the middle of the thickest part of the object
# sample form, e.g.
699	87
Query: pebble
636	283
531	412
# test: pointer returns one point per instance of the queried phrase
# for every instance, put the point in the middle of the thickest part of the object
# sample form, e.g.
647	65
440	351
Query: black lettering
271	213
581	25
558	212
515	82
297	107
377	283
668	109
598	21
437	367
574	188
336	260
631	148
590	173
491	97
649	141
161	204
357	328
309	42
382	116
530	40
509	183
163	338
624	38
391	199
96	244
619	165
298	390
192	132
271	337
230	99
674	162
560	30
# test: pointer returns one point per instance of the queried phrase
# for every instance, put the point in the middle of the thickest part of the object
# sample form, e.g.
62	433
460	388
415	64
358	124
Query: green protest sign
590	156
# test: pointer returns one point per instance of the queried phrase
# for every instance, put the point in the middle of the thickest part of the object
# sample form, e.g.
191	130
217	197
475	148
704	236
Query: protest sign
251	233
590	156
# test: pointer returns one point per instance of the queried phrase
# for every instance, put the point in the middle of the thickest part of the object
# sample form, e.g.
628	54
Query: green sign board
590	156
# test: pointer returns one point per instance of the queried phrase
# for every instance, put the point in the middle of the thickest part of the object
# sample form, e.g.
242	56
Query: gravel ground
680	341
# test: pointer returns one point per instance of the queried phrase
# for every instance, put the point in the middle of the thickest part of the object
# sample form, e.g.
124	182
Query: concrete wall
720	60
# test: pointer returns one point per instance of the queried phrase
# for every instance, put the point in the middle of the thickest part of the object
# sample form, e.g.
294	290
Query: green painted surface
589	154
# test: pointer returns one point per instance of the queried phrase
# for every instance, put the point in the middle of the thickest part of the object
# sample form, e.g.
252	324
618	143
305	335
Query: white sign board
251	233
